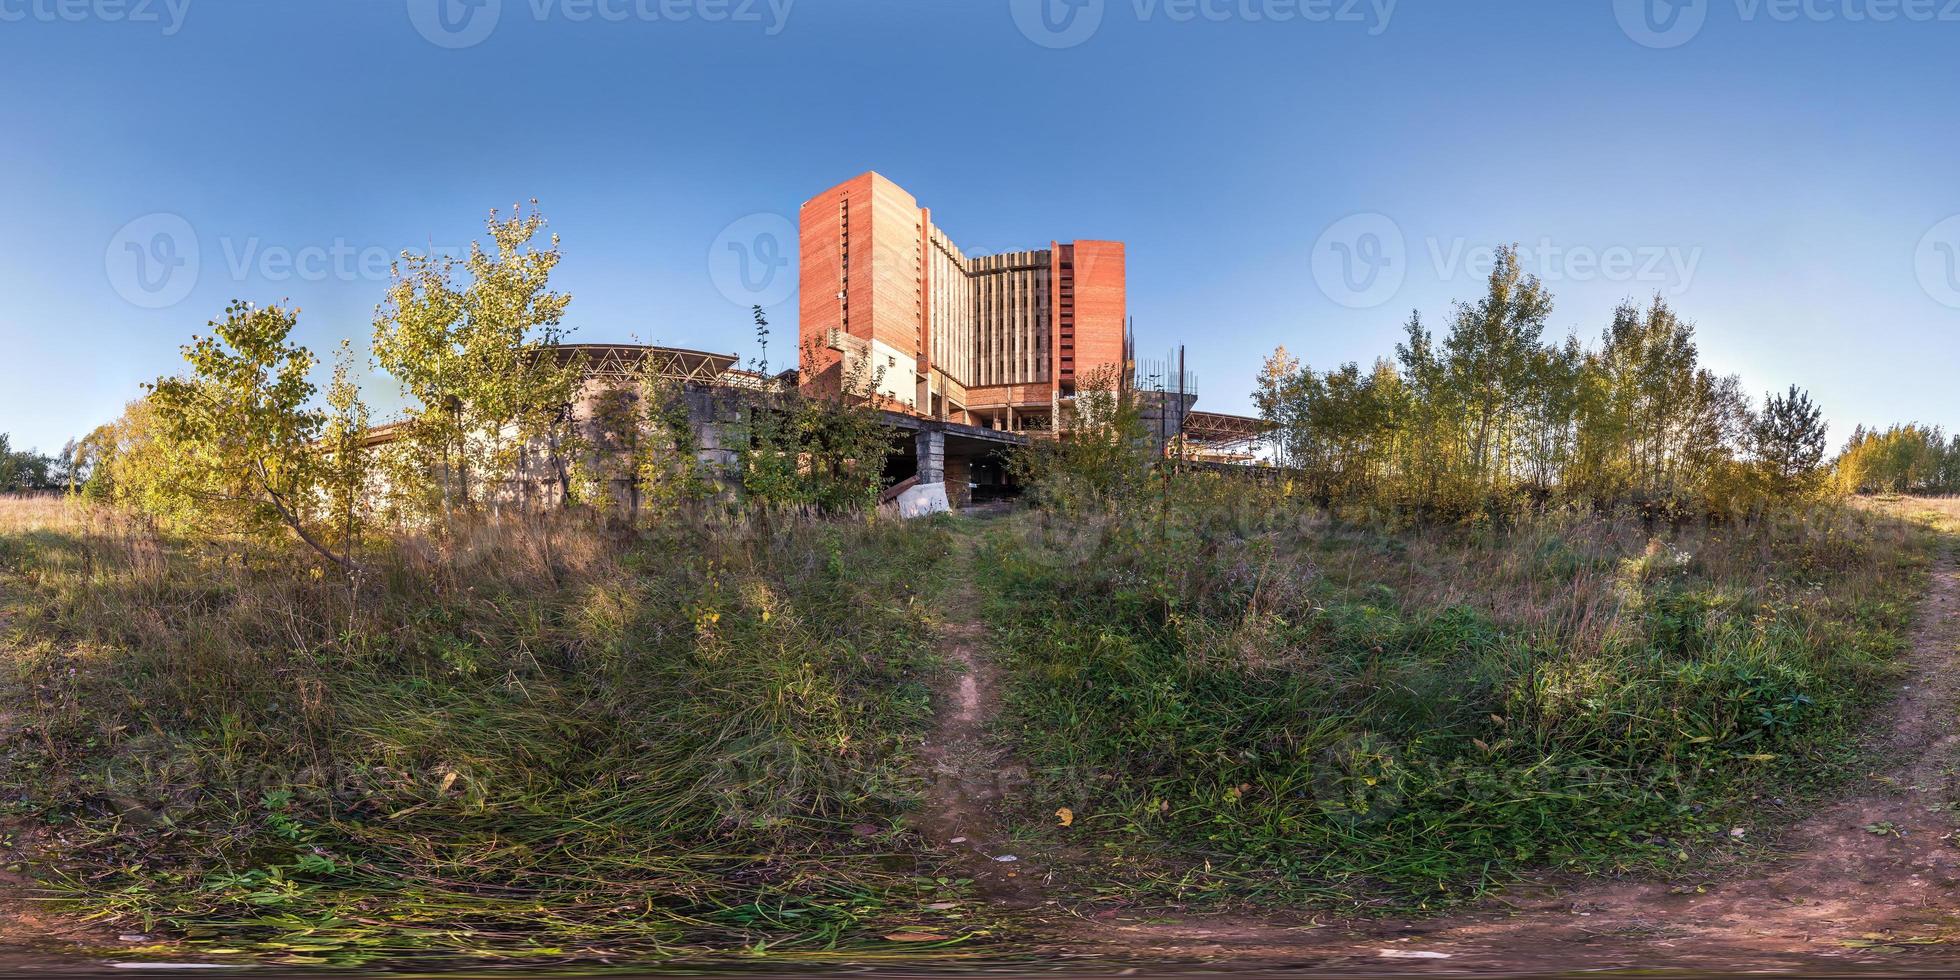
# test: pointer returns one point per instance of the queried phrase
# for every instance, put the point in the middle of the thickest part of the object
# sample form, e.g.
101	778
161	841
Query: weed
1321	709
540	742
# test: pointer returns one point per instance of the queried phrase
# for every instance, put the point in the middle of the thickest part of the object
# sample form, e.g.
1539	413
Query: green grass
541	741
1251	701
533	742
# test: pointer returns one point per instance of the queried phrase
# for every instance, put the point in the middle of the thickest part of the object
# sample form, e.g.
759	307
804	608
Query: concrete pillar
932	456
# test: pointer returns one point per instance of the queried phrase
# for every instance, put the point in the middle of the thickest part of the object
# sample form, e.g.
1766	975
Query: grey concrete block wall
932	456
719	419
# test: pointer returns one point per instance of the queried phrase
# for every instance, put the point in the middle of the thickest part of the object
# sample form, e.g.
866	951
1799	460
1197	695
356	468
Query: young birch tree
476	344
241	434
346	463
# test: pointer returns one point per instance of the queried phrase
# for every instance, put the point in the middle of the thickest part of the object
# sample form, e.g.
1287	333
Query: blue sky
1783	170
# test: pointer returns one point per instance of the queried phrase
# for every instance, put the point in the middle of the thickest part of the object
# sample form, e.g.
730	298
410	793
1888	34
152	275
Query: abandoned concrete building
969	356
935	463
994	342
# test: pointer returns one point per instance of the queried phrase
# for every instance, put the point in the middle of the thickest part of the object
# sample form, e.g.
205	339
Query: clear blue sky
1794	159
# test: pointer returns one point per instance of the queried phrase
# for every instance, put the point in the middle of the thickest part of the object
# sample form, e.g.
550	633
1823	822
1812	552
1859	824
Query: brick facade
995	341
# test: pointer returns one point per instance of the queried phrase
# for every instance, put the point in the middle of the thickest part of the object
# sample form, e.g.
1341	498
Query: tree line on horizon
1903	459
243	443
1488	415
1491	415
28	471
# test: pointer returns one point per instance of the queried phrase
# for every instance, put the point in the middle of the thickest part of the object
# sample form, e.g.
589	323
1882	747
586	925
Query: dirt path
971	777
963	804
1871	879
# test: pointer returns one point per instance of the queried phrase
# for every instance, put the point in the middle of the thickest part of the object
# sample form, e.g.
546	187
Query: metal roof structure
1217	430
623	361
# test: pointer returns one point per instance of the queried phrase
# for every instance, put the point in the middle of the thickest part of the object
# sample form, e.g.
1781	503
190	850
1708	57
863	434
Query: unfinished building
968	356
994	342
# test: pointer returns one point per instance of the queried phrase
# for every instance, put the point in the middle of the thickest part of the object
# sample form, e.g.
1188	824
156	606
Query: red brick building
999	341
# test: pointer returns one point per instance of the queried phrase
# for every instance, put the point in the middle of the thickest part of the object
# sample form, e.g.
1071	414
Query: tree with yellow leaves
476	345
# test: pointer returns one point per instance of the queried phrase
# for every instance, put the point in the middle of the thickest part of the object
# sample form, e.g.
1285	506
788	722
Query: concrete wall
718	419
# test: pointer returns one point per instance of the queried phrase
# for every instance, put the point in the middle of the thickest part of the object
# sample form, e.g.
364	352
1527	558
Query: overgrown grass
529	741
1252	700
538	741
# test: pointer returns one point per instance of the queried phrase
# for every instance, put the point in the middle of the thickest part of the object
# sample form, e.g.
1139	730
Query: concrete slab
923	500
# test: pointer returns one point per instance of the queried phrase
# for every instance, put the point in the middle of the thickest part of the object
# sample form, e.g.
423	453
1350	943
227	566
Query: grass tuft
527	741
1344	710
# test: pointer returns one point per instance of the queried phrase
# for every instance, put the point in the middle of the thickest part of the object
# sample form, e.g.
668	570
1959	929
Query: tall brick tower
996	340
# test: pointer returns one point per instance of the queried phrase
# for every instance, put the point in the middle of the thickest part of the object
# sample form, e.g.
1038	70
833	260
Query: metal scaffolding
624	362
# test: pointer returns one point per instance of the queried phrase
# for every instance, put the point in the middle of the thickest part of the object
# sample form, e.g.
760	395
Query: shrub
537	736
1310	706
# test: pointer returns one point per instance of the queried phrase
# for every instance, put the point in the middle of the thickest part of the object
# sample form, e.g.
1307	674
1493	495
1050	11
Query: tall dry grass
531	735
